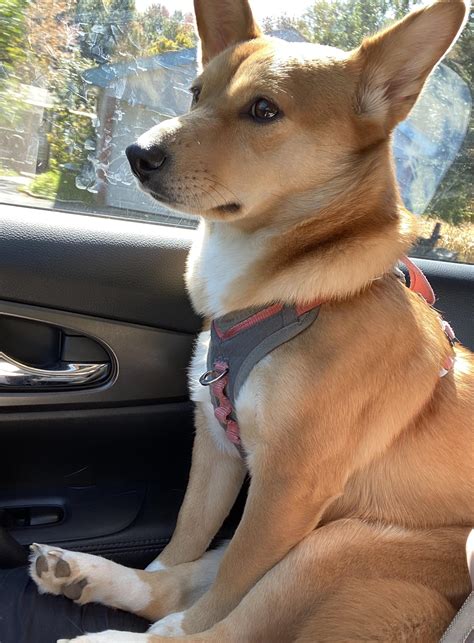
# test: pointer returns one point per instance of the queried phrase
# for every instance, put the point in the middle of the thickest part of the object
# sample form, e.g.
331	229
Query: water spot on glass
81	183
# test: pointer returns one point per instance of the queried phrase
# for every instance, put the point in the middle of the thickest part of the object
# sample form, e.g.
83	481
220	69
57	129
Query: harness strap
241	339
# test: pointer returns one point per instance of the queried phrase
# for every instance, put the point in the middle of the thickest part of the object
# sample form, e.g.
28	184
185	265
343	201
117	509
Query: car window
81	79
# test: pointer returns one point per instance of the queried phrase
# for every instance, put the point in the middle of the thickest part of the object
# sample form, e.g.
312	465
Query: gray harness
238	342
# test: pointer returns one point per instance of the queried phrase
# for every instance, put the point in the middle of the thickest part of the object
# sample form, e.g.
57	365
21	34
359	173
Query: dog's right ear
222	23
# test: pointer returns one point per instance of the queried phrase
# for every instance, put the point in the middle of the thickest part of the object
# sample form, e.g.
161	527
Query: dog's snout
145	161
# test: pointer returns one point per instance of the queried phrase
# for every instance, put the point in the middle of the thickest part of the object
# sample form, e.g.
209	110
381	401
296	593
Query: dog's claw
55	553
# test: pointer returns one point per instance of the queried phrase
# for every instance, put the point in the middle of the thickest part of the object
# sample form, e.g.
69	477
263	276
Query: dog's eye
263	110
196	92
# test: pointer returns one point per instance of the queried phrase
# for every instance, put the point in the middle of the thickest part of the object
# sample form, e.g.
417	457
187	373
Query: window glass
81	79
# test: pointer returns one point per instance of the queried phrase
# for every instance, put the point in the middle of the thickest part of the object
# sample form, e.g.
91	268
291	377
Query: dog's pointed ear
394	64
222	23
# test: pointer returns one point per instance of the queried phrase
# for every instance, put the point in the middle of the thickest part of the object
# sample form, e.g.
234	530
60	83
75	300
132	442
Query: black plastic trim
111	268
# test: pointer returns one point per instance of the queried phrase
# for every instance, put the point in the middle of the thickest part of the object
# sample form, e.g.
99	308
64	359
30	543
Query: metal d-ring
212	376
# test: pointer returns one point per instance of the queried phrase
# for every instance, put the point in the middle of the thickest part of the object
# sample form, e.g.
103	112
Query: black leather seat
29	617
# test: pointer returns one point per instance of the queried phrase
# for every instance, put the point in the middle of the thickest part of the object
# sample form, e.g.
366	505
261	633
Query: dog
350	408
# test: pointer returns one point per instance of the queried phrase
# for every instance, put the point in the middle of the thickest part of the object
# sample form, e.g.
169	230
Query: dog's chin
216	212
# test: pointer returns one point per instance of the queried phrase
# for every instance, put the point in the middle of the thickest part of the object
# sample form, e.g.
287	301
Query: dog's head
275	123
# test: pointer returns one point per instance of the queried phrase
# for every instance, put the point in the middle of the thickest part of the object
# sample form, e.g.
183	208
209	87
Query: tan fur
360	455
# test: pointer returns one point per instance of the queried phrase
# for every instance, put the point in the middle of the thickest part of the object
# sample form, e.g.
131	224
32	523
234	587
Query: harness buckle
212	376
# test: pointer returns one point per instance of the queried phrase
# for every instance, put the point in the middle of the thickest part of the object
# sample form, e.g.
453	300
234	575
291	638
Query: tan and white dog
359	453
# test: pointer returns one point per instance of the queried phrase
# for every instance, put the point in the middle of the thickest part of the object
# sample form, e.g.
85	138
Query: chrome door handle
14	374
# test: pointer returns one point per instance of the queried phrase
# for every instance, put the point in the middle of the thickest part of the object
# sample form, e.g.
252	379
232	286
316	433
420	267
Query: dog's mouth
227	208
158	196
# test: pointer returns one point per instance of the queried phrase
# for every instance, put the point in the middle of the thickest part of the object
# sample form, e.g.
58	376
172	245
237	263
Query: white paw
171	625
85	578
57	571
111	636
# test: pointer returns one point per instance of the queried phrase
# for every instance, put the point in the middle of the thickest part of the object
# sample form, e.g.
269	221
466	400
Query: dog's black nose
145	161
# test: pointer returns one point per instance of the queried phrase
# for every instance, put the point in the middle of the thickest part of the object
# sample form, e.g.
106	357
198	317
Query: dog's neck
331	253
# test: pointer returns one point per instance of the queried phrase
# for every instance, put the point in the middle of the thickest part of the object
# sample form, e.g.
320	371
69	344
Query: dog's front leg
283	506
214	483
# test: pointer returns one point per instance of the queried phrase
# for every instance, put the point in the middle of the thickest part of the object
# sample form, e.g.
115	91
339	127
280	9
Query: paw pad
74	590
55	575
41	565
62	569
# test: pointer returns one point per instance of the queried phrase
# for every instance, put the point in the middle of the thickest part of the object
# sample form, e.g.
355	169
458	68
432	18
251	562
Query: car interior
96	334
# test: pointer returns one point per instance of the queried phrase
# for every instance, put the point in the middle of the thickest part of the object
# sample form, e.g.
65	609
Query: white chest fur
219	256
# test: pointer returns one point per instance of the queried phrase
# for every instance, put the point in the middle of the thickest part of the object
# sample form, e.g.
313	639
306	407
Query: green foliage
46	185
58	185
155	32
111	31
101	25
13	39
12	102
343	23
12	32
6	171
69	132
67	190
454	200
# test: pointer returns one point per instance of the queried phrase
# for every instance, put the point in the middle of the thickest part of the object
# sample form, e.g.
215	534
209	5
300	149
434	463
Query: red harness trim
418	282
255	319
224	410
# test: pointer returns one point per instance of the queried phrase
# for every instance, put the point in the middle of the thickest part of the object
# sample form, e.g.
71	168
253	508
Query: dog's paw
85	578
110	636
57	571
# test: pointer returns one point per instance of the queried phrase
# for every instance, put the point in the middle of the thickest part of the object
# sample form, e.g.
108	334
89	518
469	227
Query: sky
260	8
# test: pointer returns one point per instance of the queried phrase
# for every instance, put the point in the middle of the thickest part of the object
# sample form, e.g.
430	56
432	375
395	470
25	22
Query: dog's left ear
223	23
394	64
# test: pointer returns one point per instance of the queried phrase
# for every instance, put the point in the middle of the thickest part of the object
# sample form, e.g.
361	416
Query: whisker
221	195
214	180
211	196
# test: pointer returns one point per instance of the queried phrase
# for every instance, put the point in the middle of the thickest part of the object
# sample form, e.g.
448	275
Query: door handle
15	374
